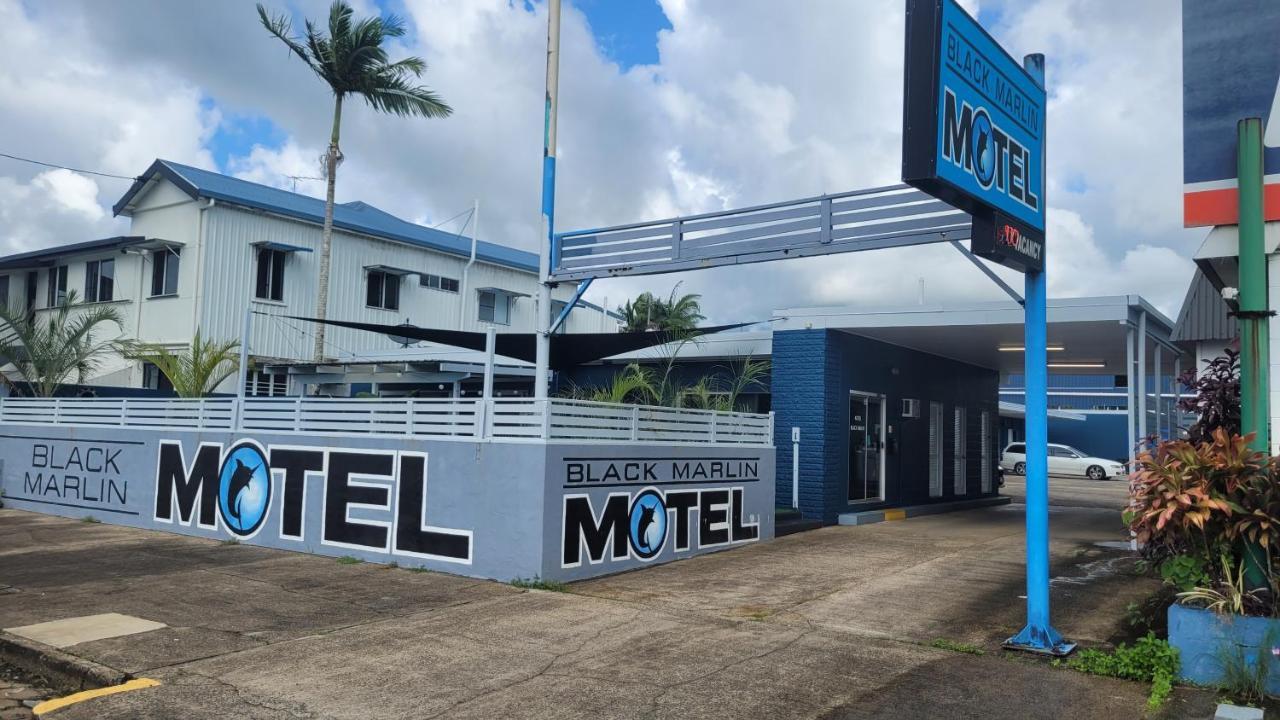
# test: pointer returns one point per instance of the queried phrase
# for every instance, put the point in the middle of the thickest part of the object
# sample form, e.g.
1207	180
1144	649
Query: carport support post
546	242
1131	400
1038	635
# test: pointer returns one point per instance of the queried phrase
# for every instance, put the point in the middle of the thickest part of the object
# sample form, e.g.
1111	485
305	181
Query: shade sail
567	351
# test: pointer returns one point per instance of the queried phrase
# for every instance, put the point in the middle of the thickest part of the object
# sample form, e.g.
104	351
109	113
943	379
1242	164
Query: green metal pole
1253	314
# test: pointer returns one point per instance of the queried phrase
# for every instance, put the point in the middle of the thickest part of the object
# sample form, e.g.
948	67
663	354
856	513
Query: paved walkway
831	623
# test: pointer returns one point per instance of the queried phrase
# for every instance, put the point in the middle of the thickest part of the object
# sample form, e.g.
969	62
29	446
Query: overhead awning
283	247
501	291
390	270
567	351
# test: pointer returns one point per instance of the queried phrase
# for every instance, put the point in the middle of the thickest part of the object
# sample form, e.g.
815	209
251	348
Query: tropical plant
1216	402
53	348
678	316
1150	659
352	61
195	373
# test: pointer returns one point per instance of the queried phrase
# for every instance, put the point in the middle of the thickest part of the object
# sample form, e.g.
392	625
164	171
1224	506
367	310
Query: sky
668	107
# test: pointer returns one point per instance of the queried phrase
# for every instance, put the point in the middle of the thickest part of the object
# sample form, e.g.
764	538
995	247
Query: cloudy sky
667	107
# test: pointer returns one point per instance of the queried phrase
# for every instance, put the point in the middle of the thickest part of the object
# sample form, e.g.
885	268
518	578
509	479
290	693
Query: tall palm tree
49	350
193	374
351	60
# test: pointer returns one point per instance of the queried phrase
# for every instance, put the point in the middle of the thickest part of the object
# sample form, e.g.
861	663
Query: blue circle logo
244	489
983	146
648	524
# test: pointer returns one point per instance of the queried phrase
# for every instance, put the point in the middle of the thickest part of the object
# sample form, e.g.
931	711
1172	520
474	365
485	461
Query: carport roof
1091	332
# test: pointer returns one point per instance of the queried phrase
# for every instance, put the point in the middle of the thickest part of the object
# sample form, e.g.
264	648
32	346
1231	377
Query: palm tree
677	316
59	348
193	374
352	61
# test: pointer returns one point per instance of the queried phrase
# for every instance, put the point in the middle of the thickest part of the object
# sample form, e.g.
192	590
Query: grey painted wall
484	509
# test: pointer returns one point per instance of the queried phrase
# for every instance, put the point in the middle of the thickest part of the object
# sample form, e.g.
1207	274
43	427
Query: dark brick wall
813	372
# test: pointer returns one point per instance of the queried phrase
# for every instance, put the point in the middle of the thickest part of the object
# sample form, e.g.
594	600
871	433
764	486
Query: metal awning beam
988	272
884	217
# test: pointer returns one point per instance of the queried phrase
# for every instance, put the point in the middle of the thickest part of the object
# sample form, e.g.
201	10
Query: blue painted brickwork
813	372
809	372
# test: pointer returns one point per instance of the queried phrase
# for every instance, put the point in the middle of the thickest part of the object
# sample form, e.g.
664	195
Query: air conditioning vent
910	408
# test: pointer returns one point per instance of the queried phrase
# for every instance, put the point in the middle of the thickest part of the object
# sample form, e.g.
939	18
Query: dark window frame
382	290
56	293
269	276
166	265
100	286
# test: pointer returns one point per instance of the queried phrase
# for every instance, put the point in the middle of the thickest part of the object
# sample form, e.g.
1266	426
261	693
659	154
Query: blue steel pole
1038	635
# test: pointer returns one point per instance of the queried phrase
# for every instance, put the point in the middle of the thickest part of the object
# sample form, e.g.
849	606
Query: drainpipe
1253	315
466	271
195	293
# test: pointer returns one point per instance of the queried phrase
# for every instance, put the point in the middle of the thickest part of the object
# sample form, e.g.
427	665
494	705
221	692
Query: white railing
504	419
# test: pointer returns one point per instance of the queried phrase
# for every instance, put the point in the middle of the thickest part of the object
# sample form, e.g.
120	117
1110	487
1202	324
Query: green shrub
1150	660
537	583
1185	572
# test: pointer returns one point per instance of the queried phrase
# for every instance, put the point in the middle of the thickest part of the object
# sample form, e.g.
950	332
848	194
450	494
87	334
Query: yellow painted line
895	514
59	703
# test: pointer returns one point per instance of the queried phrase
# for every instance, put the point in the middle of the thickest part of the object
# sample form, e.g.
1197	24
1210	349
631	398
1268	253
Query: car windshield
1081	453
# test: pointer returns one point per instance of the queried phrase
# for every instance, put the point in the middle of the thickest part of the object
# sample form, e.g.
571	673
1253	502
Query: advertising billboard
1230	71
974	131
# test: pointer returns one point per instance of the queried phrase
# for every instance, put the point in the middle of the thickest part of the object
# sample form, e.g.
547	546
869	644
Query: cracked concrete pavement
831	623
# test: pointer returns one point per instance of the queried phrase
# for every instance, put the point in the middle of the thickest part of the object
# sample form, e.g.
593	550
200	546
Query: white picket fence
504	419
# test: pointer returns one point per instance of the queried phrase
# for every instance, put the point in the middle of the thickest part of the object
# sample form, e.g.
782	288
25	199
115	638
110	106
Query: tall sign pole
1253	314
974	136
547	238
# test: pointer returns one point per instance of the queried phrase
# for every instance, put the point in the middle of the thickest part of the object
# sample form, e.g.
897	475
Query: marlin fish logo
646	519
244	489
240	481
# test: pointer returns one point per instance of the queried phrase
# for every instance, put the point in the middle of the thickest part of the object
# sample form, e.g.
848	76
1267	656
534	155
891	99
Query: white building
203	247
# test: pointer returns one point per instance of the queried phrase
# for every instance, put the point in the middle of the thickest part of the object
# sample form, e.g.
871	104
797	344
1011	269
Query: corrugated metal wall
228	277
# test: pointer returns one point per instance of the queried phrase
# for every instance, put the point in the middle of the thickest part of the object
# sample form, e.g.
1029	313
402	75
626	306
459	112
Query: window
270	284
154	379
99	280
1017	449
261	384
495	308
4	291
438	282
57	290
383	290
1060	452
165	263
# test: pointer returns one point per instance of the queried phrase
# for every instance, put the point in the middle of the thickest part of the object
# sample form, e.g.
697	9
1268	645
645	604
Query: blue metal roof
37	257
354	216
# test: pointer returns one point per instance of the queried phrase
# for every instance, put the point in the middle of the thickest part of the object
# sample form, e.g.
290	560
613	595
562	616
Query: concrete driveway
1109	494
832	623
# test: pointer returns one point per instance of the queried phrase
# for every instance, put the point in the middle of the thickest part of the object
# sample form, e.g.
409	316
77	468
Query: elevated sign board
973	132
1230	71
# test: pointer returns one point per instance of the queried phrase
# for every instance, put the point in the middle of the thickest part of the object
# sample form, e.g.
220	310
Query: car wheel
1019	468
1095	472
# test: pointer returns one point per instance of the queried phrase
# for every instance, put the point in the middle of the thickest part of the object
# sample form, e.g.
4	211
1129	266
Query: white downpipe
490	345
466	270
244	366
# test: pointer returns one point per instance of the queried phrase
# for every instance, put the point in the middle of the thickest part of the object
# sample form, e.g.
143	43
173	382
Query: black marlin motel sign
973	132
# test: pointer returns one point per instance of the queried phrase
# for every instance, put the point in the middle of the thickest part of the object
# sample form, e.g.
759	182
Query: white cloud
749	103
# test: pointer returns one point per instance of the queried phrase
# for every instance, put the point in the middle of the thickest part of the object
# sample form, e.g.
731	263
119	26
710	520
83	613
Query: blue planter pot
1205	639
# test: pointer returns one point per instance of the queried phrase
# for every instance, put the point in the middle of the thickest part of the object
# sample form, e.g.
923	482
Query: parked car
1063	460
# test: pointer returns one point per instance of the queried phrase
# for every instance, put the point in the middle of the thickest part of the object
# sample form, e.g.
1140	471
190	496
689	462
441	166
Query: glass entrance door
866	447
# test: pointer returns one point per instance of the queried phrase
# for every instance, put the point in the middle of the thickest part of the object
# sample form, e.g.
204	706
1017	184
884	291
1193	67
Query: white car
1063	460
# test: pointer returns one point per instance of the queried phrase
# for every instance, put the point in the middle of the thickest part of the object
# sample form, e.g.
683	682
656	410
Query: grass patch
392	565
418	569
1150	659
537	583
349	560
89	519
230	541
953	646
